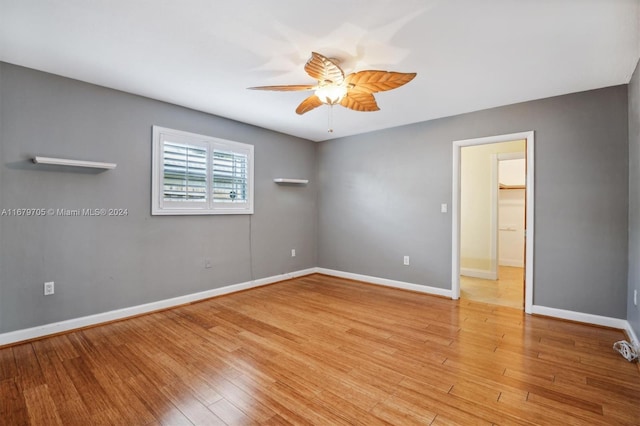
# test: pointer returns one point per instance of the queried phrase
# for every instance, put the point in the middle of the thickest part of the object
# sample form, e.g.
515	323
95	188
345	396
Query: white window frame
161	207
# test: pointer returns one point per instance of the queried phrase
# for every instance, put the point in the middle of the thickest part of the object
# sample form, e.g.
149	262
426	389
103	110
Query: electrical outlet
406	261
293	252
49	288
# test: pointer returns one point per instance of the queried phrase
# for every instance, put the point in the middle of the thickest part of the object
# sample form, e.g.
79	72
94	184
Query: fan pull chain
330	119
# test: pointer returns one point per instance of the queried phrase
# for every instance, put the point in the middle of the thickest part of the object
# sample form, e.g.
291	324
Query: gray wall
633	312
105	263
372	199
380	196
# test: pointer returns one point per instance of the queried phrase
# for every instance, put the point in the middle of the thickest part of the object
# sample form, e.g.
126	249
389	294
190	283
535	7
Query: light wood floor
508	290
323	351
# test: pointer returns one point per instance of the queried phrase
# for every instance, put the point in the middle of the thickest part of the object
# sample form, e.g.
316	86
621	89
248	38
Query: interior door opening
486	272
503	196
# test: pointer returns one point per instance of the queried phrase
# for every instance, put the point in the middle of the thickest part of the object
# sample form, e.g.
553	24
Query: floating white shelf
73	163
286	180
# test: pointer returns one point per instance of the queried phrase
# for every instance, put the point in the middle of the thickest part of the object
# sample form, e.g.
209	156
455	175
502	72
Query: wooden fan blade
360	101
290	88
323	69
308	104
377	81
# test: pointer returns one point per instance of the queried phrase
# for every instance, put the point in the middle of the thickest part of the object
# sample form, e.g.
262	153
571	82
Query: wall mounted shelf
293	181
73	163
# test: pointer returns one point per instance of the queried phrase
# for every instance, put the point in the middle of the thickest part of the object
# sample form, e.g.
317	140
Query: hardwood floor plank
276	420
72	411
95	398
579	413
13	408
28	371
162	409
194	410
323	350
229	414
475	392
61	388
8	367
311	410
396	411
428	402
121	398
40	406
346	407
622	389
63	347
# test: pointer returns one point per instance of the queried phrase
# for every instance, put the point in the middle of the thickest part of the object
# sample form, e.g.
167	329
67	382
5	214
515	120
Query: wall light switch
444	208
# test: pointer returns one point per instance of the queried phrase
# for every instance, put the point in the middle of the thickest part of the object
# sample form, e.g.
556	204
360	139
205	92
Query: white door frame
455	209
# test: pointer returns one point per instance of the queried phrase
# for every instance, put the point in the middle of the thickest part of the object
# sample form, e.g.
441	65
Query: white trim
494	239
618	323
479	273
387	282
529	233
75	323
455	224
632	335
455	211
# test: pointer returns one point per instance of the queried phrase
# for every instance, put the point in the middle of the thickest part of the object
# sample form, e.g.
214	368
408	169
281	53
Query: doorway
492	209
485	266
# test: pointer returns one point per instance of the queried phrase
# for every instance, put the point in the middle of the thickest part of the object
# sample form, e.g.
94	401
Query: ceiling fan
354	91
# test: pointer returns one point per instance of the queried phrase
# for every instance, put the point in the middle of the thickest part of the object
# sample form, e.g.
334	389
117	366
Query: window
195	174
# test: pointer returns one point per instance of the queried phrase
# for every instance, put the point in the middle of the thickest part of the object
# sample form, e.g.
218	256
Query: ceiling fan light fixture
354	91
331	94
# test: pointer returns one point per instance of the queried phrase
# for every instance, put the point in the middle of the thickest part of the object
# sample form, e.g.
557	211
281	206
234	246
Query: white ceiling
203	54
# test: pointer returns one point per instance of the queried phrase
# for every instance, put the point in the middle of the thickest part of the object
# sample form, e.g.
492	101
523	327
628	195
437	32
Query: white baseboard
387	282
478	273
632	335
75	323
581	317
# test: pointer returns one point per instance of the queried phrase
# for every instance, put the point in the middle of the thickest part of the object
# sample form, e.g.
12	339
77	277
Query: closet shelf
503	186
73	163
